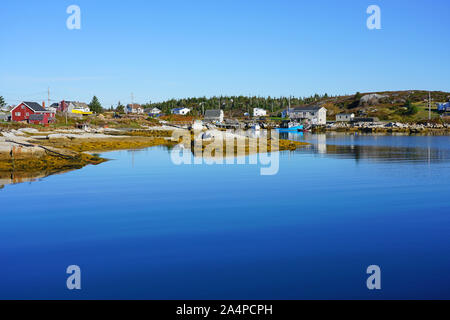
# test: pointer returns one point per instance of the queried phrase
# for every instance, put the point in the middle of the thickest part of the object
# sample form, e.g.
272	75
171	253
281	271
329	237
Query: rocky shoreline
382	127
28	153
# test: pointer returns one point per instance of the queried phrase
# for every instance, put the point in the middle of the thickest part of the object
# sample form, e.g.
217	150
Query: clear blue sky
164	49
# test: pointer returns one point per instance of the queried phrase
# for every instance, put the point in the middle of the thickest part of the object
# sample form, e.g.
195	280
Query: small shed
345	117
214	115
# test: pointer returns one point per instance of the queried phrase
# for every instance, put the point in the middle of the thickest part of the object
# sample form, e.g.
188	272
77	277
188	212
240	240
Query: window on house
17	114
28	114
23	107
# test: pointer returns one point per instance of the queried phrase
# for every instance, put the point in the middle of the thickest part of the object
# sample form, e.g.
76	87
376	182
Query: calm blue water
142	228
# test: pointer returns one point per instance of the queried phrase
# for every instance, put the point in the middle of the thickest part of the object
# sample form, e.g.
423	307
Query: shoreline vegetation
28	154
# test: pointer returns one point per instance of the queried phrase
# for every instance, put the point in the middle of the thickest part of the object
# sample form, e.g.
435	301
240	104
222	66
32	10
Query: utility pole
132	102
48	97
429	106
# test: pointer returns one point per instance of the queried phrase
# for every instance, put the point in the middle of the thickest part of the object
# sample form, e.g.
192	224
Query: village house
214	115
345	117
32	112
134	108
258	112
181	111
73	109
154	112
311	114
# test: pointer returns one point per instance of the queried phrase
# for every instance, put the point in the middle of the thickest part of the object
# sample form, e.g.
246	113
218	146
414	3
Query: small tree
120	108
2	102
410	108
358	96
95	105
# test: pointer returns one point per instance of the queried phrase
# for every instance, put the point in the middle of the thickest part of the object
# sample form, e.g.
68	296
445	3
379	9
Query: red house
32	112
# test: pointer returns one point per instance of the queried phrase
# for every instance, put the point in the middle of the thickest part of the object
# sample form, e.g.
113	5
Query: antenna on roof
48	97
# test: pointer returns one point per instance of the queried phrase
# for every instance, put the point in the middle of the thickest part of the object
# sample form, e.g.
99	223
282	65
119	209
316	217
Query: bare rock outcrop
372	99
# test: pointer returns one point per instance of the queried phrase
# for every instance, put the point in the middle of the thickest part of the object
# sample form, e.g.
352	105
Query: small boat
256	127
290	126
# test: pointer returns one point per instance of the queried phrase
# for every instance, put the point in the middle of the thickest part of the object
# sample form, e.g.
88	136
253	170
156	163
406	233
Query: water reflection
387	148
12	177
399	148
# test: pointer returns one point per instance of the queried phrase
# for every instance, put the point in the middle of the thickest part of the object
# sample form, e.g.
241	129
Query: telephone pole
48	97
429	106
132	102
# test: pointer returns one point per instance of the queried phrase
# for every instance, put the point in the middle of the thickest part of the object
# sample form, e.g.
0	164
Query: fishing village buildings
73	109
258	112
315	115
32	112
134	109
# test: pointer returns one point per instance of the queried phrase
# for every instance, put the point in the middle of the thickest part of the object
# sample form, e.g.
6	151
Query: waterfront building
345	117
214	115
258	112
310	115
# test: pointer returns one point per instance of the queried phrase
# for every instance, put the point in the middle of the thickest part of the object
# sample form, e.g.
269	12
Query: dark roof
37	117
212	113
34	106
309	108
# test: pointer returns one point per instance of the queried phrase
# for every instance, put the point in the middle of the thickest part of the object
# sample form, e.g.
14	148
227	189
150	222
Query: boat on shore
291	126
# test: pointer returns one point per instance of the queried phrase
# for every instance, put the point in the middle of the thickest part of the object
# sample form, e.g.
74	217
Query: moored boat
290	126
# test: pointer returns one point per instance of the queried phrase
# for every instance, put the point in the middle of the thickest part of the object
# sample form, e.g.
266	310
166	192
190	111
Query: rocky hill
403	106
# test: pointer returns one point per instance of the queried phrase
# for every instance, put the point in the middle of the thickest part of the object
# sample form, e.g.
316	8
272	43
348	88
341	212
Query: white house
214	115
153	112
134	108
181	111
311	114
345	117
258	112
74	109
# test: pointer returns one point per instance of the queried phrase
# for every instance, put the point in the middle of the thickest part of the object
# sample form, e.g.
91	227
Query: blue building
443	107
